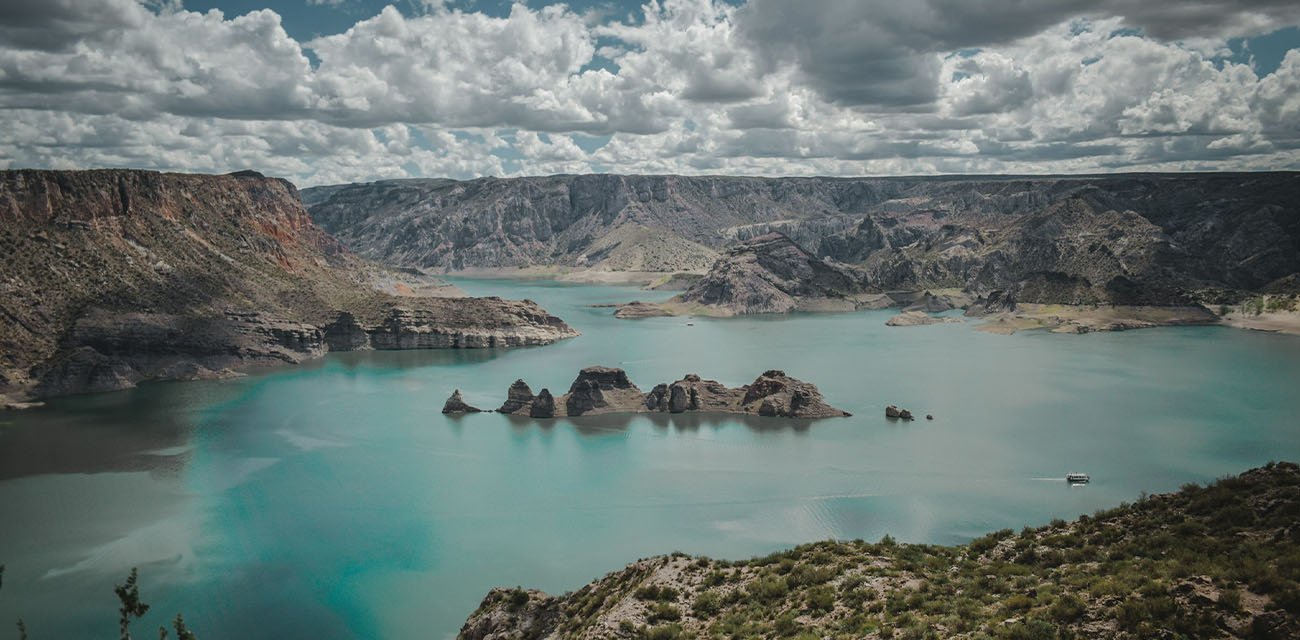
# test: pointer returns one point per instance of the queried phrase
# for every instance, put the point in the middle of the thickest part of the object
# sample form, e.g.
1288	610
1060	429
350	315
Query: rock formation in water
917	319
1171	566
114	277
520	396
457	404
892	411
605	390
543	406
1130	240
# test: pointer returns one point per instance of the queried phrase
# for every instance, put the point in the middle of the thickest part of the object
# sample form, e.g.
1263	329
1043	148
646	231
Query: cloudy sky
327	91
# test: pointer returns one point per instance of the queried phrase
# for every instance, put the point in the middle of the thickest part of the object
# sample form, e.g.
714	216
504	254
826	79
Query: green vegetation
131	606
1217	561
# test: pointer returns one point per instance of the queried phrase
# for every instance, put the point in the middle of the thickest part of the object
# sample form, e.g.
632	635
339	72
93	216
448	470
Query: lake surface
333	500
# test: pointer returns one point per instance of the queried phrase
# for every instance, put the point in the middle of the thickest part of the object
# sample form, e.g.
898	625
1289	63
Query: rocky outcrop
605	390
772	274
892	411
598	388
638	309
518	398
543	406
819	590
917	319
117	277
457	404
1132	239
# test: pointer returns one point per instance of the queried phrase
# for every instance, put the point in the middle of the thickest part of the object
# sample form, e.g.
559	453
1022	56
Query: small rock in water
905	414
457	404
929	417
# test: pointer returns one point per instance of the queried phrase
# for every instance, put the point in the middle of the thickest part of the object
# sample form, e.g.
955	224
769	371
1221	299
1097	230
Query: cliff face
1123	239
1210	562
771	274
113	277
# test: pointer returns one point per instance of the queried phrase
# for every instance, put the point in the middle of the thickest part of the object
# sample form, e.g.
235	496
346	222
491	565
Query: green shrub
820	600
706	605
663	612
768	588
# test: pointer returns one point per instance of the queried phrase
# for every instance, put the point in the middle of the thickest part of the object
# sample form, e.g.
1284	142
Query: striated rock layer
1206	562
1124	239
115	277
605	390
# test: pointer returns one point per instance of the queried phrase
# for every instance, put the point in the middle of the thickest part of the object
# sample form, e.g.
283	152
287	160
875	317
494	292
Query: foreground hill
1129	239
1215	562
114	277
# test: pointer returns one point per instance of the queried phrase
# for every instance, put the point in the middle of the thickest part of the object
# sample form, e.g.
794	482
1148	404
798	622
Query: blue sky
325	91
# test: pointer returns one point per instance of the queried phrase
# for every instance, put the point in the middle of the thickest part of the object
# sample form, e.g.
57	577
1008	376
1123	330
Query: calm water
333	500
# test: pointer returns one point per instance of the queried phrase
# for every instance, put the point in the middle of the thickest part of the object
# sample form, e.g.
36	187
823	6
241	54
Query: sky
332	91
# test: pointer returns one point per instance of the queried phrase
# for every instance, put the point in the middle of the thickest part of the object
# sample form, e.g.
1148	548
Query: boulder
905	414
543	406
891	411
657	399
519	397
584	396
679	398
457	404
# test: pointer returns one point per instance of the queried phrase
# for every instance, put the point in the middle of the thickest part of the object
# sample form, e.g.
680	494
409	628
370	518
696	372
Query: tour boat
1077	478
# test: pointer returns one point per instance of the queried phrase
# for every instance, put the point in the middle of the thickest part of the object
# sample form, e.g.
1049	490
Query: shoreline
571	275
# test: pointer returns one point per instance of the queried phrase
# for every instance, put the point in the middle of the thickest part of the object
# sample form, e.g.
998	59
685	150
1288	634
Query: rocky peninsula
1206	562
606	390
116	277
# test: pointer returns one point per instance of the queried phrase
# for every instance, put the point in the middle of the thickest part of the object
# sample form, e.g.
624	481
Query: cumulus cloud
841	87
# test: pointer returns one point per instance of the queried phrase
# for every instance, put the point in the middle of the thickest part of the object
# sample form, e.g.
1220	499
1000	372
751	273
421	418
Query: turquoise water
333	500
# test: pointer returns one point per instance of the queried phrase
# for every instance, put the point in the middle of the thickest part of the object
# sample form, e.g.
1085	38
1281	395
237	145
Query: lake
333	500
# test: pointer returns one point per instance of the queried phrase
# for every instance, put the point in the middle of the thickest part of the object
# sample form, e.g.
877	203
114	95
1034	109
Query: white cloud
688	86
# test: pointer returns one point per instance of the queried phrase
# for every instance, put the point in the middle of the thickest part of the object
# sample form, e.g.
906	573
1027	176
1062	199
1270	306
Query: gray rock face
457	404
772	274
583	396
519	397
543	406
107	351
346	334
657	399
1155	239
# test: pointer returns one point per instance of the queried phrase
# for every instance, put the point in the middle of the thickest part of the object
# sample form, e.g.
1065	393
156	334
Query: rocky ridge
1125	239
114	277
606	390
1206	562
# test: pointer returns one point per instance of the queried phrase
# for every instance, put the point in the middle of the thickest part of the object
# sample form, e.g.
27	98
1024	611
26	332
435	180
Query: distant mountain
1112	239
114	277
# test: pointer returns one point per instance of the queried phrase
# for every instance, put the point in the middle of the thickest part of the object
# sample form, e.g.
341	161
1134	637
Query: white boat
1077	478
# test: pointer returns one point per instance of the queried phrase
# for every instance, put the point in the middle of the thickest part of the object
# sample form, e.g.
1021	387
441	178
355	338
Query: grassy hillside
1206	562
